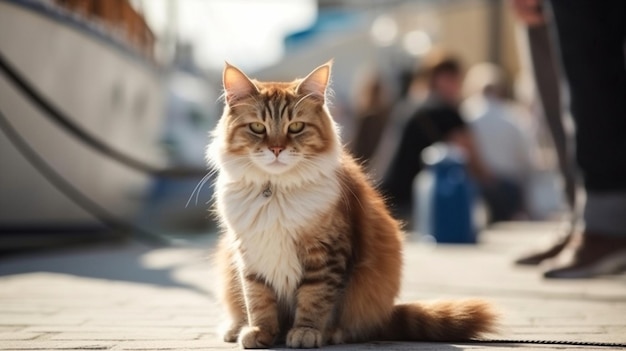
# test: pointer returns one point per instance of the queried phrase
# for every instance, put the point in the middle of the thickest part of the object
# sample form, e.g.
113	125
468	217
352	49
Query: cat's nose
276	149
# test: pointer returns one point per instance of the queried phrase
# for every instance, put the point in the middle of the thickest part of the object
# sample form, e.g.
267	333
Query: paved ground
133	297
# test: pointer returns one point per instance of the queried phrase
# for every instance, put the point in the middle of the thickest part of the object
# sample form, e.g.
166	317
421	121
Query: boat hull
105	89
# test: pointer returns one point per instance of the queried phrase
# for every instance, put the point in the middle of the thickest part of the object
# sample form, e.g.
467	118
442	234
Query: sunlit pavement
136	297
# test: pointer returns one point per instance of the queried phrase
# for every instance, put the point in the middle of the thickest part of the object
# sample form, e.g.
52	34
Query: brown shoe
588	255
536	258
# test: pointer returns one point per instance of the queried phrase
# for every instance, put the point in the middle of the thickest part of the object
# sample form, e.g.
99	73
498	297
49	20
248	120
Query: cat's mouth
277	167
277	163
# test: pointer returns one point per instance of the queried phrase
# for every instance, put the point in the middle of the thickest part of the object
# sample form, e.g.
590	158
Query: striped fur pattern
310	254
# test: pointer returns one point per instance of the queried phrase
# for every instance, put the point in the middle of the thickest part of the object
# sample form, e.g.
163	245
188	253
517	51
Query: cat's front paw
232	333
256	338
304	338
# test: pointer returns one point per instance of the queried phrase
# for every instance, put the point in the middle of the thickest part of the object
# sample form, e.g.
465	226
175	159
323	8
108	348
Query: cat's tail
455	320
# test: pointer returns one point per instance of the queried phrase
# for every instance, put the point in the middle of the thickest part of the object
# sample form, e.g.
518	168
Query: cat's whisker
199	185
198	188
344	199
204	180
352	192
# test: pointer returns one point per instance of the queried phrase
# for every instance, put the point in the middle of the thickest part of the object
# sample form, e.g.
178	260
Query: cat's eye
296	127
257	127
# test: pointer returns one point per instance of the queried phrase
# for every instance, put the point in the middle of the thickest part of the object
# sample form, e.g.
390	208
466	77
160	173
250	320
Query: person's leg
547	79
592	36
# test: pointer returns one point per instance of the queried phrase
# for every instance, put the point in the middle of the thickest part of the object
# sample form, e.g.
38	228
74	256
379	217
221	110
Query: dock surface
136	297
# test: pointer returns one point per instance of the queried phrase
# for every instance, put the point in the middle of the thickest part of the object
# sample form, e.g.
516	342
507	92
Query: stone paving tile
146	334
25	309
100	328
31	319
18	336
57	345
174	345
174	322
9	328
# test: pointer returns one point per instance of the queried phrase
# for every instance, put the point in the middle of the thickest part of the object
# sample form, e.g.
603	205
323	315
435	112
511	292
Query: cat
310	254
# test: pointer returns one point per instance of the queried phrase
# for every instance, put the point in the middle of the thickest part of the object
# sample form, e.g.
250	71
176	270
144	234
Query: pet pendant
267	192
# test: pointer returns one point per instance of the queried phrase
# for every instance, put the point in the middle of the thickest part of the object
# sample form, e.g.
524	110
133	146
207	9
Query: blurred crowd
473	110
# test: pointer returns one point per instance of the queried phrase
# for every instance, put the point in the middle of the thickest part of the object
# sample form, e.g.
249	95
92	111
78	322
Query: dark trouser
592	35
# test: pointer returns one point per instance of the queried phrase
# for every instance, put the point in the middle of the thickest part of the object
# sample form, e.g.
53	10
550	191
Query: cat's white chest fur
266	228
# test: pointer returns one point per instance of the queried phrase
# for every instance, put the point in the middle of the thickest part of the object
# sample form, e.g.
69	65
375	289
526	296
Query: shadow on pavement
124	261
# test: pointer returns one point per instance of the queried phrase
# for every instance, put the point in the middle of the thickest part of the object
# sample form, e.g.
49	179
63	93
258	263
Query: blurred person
592	36
411	95
372	114
503	144
436	120
546	74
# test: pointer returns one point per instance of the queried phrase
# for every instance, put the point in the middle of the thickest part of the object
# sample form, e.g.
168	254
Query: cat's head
274	128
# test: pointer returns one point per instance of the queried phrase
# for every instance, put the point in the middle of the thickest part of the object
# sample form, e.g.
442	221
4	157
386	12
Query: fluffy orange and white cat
310	254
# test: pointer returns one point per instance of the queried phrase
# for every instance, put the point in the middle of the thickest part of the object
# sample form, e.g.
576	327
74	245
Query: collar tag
267	191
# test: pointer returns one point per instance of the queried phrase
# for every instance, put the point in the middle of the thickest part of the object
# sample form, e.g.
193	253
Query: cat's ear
236	84
316	83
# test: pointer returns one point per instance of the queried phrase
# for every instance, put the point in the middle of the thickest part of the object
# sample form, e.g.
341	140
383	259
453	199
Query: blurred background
106	106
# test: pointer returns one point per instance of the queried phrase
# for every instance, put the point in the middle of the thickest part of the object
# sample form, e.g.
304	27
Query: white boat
106	84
